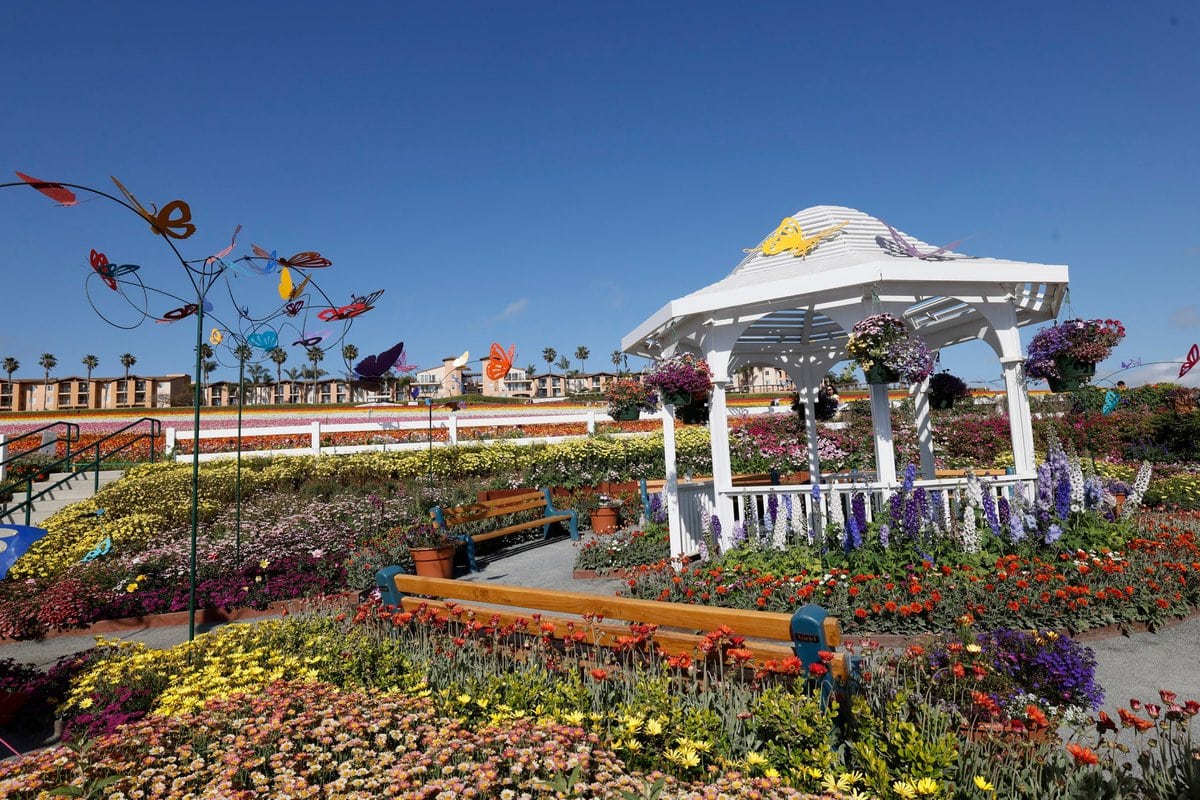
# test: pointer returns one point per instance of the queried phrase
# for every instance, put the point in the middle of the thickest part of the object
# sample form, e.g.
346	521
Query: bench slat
606	634
521	526
761	624
491	508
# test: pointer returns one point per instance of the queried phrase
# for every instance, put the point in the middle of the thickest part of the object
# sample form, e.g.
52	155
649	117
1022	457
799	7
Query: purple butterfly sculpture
375	366
910	249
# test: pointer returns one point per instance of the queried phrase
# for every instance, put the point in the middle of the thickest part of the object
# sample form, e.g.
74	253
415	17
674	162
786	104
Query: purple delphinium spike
1062	497
896	509
858	507
716	528
1045	493
1053	534
921	498
1016	526
884	533
1003	511
912	515
772	511
739	533
989	512
853	534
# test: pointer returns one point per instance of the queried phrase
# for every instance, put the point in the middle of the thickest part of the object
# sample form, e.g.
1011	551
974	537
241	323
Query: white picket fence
452	424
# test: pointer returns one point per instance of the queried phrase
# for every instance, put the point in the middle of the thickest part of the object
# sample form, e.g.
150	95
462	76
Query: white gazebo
791	302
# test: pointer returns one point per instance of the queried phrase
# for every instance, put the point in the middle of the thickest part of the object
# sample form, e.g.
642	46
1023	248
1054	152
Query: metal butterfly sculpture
109	272
1111	401
499	361
1193	357
790	236
164	222
286	289
909	249
55	191
309	259
375	366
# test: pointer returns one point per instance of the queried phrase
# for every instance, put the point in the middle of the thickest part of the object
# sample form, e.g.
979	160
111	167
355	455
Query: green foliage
625	549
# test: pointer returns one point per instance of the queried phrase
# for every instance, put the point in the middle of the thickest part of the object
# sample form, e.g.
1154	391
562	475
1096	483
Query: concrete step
81	486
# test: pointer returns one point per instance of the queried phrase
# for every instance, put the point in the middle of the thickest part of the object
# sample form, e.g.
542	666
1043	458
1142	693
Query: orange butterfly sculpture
162	222
309	259
500	362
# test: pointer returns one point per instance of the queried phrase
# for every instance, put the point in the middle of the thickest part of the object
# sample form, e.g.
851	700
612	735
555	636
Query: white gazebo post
718	346
671	487
920	396
1006	341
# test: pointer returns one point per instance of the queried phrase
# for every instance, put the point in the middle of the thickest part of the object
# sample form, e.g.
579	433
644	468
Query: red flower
817	670
1082	755
1104	723
600	674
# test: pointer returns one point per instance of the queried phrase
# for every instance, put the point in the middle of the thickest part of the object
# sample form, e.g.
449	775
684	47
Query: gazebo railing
786	514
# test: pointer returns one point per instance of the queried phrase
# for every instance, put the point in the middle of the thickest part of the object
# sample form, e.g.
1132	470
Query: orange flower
599	674
1082	755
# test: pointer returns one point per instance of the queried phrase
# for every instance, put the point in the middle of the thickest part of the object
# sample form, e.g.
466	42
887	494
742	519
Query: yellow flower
928	786
973	648
983	784
755	759
132	587
905	790
654	727
264	563
574	718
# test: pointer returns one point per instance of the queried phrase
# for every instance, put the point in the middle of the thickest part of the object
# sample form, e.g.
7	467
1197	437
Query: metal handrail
72	465
72	436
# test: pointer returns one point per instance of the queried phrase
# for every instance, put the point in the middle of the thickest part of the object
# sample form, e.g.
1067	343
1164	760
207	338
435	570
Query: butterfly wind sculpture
1193	357
790	236
287	308
909	249
500	361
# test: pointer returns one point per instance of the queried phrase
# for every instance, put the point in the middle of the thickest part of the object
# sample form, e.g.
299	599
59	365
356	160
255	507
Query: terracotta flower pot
605	520
433	562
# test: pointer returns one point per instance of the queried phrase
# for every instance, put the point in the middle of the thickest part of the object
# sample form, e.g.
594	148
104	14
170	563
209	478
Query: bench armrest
573	523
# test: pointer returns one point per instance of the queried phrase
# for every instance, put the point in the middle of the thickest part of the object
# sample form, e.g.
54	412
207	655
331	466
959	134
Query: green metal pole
238	483
195	469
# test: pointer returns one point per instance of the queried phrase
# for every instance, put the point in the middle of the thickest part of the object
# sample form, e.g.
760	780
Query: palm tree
315	355
11	365
349	355
294	374
530	371
243	352
127	361
582	353
47	362
616	361
259	376
278	355
548	355
91	362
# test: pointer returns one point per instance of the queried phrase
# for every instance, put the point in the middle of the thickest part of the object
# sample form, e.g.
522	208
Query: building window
64	395
6	396
139	392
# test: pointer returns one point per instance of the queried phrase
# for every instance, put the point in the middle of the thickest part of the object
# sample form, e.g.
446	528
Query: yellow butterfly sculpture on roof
790	236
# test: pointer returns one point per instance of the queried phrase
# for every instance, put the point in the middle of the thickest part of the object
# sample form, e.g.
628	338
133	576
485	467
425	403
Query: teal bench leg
385	579
572	523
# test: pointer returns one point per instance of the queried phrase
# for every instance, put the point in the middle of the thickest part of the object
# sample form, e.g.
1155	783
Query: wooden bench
680	630
534	500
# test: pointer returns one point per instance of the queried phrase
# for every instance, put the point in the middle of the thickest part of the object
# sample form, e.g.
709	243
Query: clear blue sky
549	174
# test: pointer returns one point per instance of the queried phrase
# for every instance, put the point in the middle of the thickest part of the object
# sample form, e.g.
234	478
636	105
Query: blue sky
549	174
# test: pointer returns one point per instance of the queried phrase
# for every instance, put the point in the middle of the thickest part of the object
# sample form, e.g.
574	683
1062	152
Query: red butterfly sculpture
309	259
55	191
500	362
1193	357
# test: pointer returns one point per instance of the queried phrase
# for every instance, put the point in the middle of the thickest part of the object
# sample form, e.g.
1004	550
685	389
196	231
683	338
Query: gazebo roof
789	300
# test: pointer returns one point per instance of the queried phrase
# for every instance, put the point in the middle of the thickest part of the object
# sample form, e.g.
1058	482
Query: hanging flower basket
941	402
1066	354
887	351
945	389
1072	374
680	378
881	373
625	413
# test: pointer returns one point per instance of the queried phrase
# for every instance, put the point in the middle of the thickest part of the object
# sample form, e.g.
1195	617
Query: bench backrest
449	517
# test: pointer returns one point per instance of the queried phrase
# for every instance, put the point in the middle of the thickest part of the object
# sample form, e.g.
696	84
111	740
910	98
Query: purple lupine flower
739	533
1093	492
1003	510
1053	534
884	533
1062	497
989	513
858	508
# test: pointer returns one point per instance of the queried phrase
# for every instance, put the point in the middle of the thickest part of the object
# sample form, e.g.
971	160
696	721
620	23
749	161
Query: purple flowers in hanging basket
1087	340
682	374
884	340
